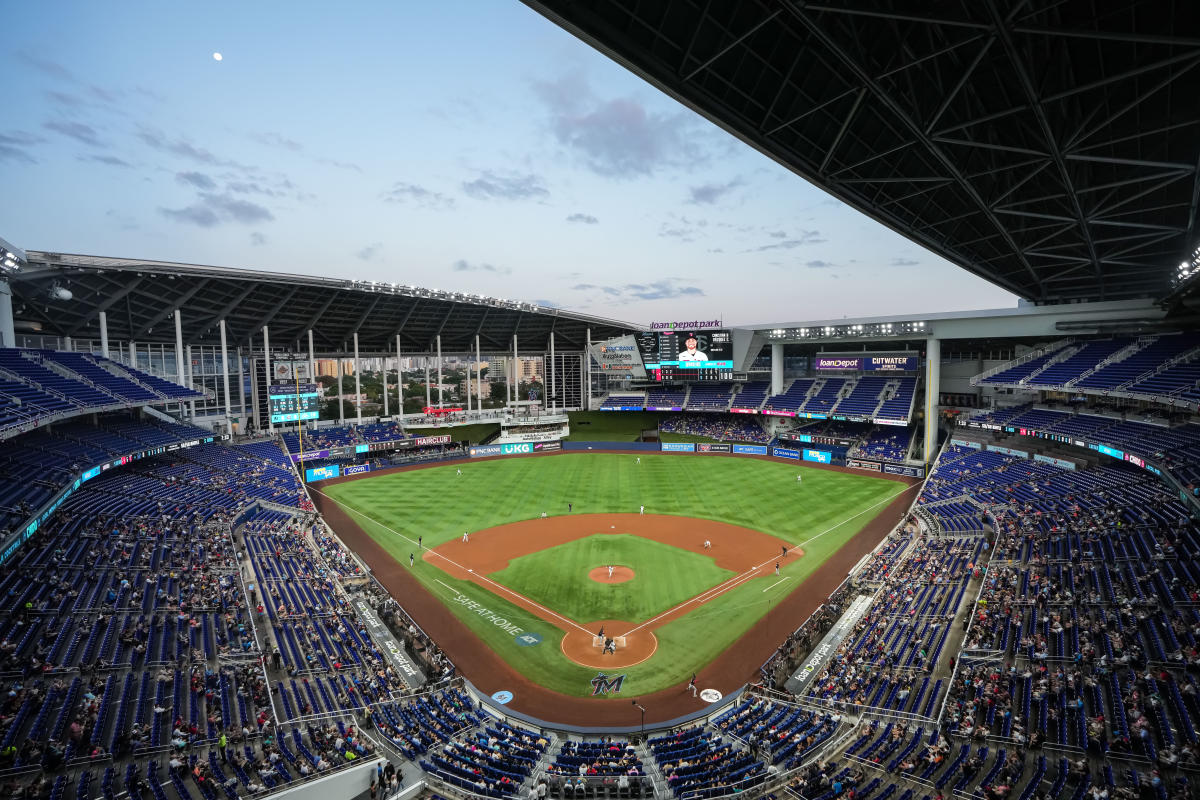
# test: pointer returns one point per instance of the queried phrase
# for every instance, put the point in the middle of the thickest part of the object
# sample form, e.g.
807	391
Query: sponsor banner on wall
858	463
714	448
355	469
750	449
1008	451
967	443
310	455
483	450
321	473
905	470
511	435
870	363
785	452
547	447
1058	462
620	355
678	447
771	412
819	456
743	410
902	423
829	645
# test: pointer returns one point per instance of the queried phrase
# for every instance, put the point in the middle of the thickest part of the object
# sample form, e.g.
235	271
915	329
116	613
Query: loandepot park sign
693	325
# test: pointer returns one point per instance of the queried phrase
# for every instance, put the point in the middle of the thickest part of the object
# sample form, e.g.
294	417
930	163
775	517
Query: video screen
681	355
293	403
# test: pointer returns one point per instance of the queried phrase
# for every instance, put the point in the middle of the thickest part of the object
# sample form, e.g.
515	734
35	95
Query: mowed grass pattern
664	576
821	513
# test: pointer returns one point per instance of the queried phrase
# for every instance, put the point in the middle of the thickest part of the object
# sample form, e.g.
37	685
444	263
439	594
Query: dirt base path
729	671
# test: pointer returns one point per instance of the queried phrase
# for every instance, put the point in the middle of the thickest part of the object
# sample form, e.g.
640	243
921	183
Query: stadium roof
1050	148
140	298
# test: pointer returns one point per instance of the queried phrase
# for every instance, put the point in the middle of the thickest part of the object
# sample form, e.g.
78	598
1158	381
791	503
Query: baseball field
701	548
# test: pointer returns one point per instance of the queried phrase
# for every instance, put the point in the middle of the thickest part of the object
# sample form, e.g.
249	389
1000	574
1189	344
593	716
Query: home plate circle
710	695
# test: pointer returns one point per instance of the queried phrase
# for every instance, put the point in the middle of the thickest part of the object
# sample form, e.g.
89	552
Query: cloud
369	252
258	239
467	266
586	219
617	137
111	161
709	193
185	149
15	144
197	179
494	186
74	130
817	263
777	234
272	139
904	262
402	192
805	238
47	66
664	289
214	209
333	162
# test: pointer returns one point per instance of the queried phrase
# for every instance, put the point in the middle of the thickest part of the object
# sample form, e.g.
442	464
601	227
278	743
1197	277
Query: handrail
1024	358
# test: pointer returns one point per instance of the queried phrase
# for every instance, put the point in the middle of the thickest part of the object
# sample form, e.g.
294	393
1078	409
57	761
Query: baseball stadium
277	534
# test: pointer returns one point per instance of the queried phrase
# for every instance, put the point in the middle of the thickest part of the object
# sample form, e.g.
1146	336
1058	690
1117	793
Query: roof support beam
842	131
105	306
731	45
170	309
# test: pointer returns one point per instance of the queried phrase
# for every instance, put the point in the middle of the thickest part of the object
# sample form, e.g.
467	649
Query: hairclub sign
694	325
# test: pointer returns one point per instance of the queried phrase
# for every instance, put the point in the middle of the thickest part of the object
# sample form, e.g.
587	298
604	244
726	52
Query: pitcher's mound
619	575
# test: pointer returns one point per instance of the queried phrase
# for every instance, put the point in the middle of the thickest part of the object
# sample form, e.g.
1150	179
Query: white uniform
642	510
610	571
707	544
799	478
692	355
465	537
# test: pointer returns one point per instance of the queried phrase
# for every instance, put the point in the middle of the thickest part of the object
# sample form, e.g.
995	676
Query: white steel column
225	372
441	402
516	382
587	361
933	377
268	373
312	361
399	381
428	393
776	368
341	406
179	346
104	334
478	373
191	378
241	379
357	383
383	374
133	357
553	375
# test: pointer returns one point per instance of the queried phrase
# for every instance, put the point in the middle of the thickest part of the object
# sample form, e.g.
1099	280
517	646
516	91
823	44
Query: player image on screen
691	353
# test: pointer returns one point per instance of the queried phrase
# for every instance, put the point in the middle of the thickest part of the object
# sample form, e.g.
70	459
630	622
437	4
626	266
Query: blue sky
461	145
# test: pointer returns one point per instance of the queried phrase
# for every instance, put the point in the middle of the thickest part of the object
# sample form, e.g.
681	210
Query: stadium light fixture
12	258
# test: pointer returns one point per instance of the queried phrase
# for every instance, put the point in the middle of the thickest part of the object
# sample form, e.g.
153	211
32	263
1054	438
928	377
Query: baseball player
459	471
639	460
707	544
799	478
411	559
692	685
642	510
466	539
610	570
691	353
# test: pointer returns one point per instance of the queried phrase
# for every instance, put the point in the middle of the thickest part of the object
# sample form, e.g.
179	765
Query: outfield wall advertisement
714	448
750	449
678	447
321	473
785	452
516	449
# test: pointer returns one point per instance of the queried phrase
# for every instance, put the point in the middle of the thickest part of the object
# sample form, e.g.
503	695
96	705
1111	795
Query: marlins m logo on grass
602	684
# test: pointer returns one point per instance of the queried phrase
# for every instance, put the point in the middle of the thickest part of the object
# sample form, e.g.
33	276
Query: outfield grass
611	426
820	514
664	576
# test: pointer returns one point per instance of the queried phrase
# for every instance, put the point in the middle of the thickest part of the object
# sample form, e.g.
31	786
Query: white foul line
460	566
776	583
732	582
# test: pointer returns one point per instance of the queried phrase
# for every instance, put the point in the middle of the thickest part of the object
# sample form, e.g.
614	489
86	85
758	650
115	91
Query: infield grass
820	515
664	576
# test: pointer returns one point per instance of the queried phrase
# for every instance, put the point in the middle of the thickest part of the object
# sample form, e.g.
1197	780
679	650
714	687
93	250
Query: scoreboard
293	403
682	355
